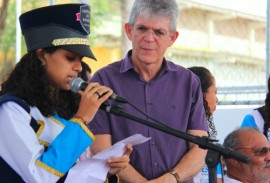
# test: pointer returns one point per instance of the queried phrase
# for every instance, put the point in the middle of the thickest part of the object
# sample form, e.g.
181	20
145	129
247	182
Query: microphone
78	84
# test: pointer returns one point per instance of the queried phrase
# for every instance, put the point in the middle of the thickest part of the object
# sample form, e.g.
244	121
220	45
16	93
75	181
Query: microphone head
75	84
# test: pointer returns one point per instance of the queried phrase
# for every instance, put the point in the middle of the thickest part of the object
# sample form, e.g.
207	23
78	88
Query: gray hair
155	8
232	140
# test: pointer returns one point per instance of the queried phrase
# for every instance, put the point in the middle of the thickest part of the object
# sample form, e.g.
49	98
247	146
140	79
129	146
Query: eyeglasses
258	152
157	33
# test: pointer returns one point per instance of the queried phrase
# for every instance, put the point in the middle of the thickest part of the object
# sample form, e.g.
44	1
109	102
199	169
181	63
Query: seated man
252	143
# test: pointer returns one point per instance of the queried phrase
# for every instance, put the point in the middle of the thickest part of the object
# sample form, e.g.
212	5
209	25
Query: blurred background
229	37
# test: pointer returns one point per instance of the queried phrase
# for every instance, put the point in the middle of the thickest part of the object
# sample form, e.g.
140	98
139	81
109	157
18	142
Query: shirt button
155	164
153	143
149	103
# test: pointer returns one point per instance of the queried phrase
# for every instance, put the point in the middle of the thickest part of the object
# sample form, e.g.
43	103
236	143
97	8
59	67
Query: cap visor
81	50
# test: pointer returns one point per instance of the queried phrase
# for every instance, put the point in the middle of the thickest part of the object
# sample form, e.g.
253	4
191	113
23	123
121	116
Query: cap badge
84	18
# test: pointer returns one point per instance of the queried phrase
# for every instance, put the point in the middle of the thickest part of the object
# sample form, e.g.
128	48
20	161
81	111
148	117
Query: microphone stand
214	150
211	160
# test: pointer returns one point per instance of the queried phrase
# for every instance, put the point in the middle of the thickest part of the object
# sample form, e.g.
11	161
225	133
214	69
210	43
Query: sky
254	7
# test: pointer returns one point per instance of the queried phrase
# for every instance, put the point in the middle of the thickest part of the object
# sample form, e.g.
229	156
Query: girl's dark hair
29	81
85	68
207	80
266	111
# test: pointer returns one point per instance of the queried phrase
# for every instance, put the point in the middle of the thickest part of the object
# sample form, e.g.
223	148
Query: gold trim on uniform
56	121
70	41
77	120
41	128
84	127
41	142
50	169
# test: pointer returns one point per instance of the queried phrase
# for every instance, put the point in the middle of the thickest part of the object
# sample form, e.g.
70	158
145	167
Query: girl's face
211	97
61	66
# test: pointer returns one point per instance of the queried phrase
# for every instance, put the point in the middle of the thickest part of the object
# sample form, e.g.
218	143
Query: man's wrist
176	175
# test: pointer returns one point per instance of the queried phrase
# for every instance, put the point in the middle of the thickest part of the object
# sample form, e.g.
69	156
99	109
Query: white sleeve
19	144
258	119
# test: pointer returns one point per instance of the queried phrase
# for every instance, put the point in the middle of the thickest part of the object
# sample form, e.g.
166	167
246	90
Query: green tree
8	33
4	23
3	15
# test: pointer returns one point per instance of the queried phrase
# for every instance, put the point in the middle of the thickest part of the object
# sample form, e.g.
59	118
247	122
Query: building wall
104	57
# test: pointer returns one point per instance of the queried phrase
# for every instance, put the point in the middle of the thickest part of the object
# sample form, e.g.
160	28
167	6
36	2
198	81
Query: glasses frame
159	34
261	152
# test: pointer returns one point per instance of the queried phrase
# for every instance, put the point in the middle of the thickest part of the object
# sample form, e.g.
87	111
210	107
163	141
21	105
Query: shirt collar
230	180
127	65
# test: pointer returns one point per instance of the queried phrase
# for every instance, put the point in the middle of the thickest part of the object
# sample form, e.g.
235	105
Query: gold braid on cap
70	41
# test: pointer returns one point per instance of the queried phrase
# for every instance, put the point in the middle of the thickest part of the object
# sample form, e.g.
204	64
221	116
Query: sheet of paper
95	169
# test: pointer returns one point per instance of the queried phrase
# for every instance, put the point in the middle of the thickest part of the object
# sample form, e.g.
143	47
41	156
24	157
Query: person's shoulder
248	121
106	72
173	66
183	72
112	66
14	108
179	68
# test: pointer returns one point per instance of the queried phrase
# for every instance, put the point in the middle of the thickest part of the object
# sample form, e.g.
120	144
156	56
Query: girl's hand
119	163
91	99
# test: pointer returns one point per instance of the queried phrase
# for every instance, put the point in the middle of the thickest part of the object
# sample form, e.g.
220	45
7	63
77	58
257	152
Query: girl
43	128
209	89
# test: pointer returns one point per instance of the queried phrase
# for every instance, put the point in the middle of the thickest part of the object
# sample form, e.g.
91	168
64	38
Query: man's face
256	147
150	38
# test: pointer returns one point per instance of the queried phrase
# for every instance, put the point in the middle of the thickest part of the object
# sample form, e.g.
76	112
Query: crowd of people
45	127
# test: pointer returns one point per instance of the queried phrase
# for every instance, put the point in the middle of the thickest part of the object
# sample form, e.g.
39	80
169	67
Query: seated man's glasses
263	151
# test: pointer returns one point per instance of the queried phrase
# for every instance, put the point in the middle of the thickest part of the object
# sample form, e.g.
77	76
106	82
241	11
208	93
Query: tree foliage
3	15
